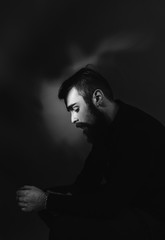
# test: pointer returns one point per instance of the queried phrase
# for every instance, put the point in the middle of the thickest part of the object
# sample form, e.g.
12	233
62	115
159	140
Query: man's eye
76	109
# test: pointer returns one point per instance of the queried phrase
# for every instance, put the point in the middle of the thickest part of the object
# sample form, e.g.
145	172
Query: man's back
130	161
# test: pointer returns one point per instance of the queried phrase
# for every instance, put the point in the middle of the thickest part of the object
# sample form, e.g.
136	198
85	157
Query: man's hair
86	81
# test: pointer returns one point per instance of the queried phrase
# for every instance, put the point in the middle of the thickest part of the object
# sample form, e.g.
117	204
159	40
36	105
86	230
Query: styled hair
86	81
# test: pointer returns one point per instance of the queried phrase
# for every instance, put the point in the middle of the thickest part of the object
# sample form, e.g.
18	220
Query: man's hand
31	198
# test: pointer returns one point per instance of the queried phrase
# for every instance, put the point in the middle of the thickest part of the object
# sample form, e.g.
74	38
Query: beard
97	129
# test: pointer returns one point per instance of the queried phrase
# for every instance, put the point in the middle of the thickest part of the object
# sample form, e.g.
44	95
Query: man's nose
74	118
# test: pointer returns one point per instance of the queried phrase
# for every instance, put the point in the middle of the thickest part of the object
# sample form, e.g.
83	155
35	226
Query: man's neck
110	110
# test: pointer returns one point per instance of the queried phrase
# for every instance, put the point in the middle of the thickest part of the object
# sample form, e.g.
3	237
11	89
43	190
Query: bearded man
120	191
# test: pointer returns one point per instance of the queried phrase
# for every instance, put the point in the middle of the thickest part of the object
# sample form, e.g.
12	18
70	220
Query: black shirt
125	169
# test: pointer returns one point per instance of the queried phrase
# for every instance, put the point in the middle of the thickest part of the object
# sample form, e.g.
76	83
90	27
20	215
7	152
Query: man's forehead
73	96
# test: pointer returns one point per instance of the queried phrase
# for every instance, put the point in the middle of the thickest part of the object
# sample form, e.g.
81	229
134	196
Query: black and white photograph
82	118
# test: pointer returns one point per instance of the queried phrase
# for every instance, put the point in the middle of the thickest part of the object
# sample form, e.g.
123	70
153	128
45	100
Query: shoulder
133	123
135	116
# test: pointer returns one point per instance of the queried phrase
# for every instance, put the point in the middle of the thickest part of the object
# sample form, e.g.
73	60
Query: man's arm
128	174
31	198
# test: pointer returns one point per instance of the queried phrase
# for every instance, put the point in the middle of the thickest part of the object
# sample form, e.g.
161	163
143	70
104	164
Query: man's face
84	116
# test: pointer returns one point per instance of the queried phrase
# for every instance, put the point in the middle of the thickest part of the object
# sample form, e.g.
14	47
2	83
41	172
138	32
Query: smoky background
41	44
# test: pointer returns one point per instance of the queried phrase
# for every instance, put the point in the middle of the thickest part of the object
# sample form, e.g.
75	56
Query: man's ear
97	97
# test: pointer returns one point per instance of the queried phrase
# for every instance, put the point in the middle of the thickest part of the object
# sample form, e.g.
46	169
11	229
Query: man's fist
31	198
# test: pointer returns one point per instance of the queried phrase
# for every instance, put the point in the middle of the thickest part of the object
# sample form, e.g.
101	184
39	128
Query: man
120	191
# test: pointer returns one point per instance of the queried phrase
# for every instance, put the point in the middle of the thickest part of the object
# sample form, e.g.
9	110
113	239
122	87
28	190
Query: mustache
82	125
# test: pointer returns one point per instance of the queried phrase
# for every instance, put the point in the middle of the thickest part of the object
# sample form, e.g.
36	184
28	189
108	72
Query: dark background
42	42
